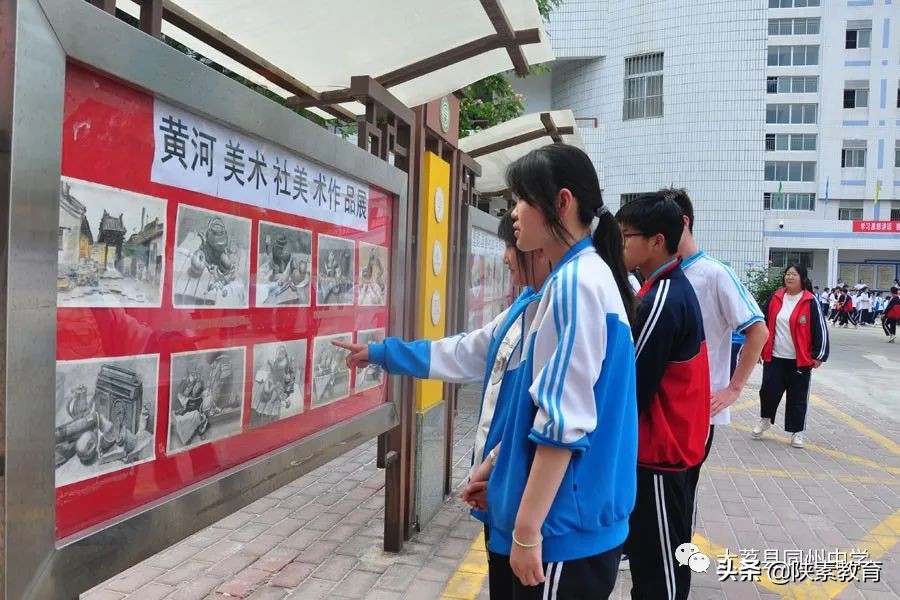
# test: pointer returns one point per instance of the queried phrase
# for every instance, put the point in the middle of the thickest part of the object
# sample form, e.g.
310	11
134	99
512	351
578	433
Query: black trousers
590	577
866	316
783	377
824	306
694	477
889	326
660	522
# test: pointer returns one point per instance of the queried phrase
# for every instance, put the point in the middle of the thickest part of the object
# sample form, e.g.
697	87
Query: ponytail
610	246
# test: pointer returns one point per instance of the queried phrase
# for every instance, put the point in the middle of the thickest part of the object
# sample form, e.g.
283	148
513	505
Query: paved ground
320	536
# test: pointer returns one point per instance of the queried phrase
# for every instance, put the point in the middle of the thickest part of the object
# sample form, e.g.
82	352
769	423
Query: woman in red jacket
797	344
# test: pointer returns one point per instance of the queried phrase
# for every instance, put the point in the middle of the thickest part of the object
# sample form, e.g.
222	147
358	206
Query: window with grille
786	170
782	258
850	210
853	154
790	142
781	114
801	26
776	201
895	214
643	86
856	94
897	153
787	56
859	34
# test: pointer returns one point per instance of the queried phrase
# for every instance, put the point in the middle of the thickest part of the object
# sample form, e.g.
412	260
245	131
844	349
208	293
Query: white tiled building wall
709	137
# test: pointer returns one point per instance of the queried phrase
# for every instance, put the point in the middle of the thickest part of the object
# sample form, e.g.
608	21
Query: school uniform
575	389
728	309
490	355
891	316
673	391
798	336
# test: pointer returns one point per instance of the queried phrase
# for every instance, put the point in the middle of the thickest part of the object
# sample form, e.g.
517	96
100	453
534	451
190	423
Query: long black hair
537	178
804	275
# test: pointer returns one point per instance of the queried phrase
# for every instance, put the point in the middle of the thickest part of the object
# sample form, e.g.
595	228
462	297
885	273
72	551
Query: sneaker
798	440
892	340
624	563
760	428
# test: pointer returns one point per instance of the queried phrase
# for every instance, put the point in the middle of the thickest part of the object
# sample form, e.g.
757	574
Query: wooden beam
457	55
151	17
105	5
504	29
550	126
518	139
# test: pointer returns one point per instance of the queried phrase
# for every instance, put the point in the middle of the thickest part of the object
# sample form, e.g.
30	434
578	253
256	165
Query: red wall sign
194	331
876	226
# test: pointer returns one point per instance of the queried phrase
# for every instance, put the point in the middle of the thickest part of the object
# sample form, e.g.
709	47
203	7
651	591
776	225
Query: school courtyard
774	521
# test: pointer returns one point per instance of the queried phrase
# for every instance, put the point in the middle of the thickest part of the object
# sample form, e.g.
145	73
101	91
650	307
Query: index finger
347	346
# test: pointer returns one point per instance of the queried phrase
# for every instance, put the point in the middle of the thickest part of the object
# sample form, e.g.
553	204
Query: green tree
763	281
492	100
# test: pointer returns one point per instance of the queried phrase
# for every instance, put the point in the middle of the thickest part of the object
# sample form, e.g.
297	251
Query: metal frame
472	217
47	33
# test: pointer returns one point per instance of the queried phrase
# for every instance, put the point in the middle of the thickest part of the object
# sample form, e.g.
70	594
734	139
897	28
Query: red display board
202	276
876	226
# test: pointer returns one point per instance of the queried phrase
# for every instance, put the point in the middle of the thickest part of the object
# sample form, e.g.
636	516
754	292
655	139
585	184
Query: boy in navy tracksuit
673	395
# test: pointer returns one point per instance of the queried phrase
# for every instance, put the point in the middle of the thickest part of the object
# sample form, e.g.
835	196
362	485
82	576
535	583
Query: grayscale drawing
284	266
206	397
372	375
212	260
279	378
373	275
334	275
111	244
330	374
105	415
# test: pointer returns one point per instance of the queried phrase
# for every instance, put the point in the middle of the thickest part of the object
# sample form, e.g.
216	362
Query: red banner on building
876	226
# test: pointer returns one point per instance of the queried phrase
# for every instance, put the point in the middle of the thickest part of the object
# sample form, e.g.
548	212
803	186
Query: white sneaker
798	440
760	428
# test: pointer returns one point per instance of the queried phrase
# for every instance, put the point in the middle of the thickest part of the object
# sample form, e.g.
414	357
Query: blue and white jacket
490	355
575	389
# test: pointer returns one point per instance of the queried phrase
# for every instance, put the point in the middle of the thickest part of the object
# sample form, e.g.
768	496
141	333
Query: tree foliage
493	100
763	281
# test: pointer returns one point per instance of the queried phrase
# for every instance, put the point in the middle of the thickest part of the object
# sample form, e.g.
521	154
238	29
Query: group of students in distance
599	407
861	307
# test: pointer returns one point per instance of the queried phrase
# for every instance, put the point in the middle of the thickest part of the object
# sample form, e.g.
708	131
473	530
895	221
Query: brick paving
320	536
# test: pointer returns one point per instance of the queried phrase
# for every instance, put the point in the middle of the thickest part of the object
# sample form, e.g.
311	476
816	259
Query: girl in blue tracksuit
561	482
489	355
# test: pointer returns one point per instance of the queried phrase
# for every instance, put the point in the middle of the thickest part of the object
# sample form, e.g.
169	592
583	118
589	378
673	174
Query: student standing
823	300
561	484
877	306
864	300
728	309
891	315
673	397
798	343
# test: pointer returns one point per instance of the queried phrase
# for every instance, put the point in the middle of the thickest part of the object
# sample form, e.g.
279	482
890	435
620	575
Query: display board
203	275
490	289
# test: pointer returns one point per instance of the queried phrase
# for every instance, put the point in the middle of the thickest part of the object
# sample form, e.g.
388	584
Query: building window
856	94
850	210
782	258
776	201
792	85
60	239
859	34
781	114
895	214
792	142
782	170
792	3
643	86
853	154
897	153
802	26
785	56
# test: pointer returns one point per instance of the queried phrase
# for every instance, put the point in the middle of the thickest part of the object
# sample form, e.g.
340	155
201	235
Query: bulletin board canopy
307	52
497	147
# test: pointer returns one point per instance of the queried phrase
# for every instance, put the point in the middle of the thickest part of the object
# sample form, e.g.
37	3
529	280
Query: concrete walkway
320	536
